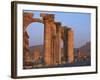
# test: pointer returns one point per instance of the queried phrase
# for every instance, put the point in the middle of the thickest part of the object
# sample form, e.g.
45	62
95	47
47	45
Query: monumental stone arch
53	33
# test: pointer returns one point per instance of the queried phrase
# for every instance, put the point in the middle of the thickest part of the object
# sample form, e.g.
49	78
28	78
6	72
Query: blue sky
79	22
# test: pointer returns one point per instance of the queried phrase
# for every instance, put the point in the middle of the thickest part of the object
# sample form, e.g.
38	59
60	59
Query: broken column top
58	23
70	29
48	17
67	28
45	14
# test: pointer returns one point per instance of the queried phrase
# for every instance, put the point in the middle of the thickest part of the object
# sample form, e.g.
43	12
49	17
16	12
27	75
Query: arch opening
35	32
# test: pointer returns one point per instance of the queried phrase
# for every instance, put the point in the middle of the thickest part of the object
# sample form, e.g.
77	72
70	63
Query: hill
86	49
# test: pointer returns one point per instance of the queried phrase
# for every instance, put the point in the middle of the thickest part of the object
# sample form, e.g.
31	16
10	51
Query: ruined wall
26	22
53	33
27	19
26	55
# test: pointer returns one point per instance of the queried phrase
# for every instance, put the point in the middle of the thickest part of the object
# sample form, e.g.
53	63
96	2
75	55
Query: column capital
47	17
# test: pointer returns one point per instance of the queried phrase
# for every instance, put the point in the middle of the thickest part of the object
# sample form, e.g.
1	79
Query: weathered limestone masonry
64	39
26	55
48	21
57	44
26	48
27	19
53	33
70	45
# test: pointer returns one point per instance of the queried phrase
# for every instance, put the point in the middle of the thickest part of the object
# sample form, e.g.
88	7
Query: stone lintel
36	20
42	15
30	15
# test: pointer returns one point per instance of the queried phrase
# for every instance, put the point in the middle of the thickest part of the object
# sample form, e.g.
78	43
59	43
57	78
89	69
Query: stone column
53	43
64	37
58	45
70	45
47	20
47	44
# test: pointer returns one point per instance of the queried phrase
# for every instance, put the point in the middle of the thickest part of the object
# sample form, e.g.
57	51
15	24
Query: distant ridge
86	49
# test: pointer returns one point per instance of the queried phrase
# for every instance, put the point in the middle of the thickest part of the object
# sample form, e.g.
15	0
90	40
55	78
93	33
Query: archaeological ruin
54	32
